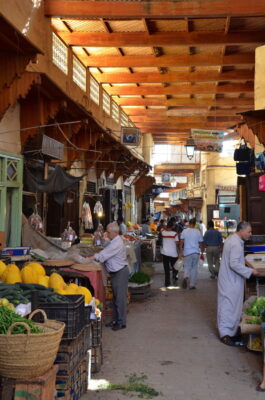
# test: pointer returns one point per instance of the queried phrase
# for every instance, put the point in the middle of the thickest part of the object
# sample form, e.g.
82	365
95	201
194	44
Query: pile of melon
35	273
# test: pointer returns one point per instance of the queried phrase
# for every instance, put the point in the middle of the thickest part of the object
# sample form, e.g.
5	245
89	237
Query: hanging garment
86	216
98	209
243	168
58	183
262	183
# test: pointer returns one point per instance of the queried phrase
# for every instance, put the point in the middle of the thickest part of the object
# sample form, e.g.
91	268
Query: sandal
227	340
259	389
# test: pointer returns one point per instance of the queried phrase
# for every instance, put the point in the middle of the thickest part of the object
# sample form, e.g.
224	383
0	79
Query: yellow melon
44	280
2	268
83	290
13	274
38	268
56	281
29	275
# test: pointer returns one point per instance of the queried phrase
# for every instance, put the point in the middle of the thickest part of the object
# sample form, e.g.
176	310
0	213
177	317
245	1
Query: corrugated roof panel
78	25
178	69
155	96
126	26
209	24
169	25
102	51
208	68
114	70
137	51
58	25
208	50
250	23
157	108
144	69
171	50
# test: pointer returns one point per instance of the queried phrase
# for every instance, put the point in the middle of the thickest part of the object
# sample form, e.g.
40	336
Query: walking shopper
231	280
213	242
114	257
192	240
169	252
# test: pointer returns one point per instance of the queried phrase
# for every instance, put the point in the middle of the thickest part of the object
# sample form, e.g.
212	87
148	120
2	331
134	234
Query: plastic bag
69	234
178	264
36	222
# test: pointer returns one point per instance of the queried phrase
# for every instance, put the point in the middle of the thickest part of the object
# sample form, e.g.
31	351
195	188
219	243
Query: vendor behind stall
231	281
115	260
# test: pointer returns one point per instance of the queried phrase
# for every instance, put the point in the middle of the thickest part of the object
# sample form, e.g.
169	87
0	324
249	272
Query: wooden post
45	198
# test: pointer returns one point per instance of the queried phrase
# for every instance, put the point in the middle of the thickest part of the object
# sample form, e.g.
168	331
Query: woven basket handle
9	332
38	310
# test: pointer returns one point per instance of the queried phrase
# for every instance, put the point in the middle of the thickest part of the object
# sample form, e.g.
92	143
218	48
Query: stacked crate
73	359
96	352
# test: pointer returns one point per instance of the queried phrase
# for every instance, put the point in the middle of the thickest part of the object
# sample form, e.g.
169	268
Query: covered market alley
120	121
172	339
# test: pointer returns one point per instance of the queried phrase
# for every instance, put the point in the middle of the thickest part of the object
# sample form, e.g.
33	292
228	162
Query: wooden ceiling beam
181	89
153	77
168	60
185	125
155	9
147	119
230	102
181	112
135	39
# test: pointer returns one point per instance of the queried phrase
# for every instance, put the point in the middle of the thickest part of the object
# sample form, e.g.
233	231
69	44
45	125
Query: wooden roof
170	65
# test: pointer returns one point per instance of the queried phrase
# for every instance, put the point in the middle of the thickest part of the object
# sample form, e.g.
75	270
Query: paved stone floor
172	339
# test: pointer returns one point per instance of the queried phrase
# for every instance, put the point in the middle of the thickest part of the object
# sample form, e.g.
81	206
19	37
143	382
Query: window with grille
94	90
115	112
59	53
124	119
106	102
79	73
197	177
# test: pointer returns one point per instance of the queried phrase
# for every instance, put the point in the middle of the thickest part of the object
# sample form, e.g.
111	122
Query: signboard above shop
208	140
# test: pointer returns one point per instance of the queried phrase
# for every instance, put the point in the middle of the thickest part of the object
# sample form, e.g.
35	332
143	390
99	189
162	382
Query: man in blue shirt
213	243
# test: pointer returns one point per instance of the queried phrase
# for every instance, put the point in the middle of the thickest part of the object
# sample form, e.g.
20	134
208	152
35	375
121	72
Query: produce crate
39	388
73	314
75	384
140	293
255	343
96	359
96	330
72	351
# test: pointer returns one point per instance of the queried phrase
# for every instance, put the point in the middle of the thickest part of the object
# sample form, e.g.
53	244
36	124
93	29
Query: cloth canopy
57	183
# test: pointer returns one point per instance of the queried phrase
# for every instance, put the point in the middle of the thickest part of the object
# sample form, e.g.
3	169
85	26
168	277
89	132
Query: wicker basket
24	356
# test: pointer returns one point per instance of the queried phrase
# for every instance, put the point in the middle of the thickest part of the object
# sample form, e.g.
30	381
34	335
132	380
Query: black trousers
169	262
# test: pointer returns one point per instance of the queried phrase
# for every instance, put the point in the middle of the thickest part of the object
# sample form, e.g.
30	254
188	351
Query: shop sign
166	178
208	140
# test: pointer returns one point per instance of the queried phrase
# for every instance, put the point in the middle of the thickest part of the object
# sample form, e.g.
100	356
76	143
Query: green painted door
11	176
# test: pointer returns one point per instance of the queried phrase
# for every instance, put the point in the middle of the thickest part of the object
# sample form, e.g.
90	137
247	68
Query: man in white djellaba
231	280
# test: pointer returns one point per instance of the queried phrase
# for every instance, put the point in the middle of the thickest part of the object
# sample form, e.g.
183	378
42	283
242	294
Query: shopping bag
178	264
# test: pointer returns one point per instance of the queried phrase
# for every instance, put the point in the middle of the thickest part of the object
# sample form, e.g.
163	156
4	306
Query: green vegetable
140	278
135	384
257	307
254	321
8	317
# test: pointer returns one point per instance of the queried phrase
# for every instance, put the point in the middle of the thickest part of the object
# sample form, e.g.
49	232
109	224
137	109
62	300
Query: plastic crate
96	332
96	359
16	251
73	385
73	314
